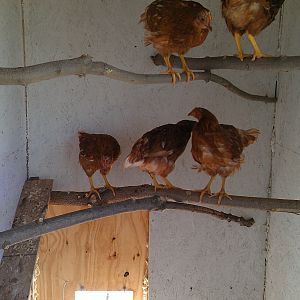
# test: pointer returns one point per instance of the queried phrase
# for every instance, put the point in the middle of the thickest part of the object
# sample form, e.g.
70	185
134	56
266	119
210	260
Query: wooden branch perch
178	195
134	198
33	230
282	63
84	65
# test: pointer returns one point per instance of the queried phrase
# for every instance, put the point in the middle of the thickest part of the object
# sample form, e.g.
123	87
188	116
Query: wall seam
25	92
272	152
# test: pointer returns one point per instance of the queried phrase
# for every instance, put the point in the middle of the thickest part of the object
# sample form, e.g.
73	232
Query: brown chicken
218	148
97	152
175	26
157	150
250	17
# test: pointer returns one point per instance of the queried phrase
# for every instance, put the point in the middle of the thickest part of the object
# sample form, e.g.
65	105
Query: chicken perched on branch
97	152
250	17
218	148
157	150
175	26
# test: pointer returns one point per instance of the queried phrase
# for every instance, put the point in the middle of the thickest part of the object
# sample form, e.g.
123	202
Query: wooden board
18	261
108	254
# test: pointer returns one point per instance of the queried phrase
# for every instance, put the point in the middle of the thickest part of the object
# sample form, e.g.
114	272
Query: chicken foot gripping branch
250	17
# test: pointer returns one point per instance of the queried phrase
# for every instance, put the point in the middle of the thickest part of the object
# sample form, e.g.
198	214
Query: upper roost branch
84	65
282	63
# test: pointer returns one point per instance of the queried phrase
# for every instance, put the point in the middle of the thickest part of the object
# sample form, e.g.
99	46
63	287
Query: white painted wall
109	31
218	260
12	120
191	256
197	257
283	267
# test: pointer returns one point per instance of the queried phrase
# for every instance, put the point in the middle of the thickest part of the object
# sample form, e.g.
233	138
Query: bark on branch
33	230
178	195
84	65
282	63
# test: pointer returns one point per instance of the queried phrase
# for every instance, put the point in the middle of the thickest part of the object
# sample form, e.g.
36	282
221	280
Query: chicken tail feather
128	163
249	136
275	6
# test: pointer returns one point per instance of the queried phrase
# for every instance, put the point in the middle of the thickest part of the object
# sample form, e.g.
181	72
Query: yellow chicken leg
222	193
168	184
93	190
186	69
207	189
241	55
170	70
108	185
257	52
155	182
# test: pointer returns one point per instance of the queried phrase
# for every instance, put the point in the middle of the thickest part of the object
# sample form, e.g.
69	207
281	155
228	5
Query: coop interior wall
231	259
283	260
190	255
12	116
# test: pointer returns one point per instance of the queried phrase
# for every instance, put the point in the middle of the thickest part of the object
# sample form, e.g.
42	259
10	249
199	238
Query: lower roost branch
178	195
134	198
33	230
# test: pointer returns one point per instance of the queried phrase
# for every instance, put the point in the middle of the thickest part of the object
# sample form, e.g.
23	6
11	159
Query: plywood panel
108	254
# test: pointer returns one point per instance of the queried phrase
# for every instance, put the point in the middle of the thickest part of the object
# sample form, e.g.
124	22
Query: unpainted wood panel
18	261
108	254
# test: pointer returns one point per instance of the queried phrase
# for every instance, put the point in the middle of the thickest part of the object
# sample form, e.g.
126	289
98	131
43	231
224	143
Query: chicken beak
209	27
196	113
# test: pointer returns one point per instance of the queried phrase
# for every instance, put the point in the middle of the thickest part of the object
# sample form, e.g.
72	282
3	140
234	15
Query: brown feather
249	15
218	148
248	136
97	152
157	150
175	26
